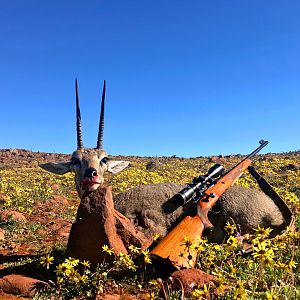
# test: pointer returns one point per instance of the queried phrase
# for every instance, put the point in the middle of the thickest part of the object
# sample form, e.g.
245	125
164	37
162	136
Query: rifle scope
187	193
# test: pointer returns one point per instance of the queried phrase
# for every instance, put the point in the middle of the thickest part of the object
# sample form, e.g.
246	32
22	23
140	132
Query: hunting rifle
205	191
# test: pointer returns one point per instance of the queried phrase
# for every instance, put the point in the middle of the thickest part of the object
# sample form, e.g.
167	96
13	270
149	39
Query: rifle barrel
262	145
249	156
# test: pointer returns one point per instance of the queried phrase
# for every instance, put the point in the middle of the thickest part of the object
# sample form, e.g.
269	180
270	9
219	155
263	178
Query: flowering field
34	243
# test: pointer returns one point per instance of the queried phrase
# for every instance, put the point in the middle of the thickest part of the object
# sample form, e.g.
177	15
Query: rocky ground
29	233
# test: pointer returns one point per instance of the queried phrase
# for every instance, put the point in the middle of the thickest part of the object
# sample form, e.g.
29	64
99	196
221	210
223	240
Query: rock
290	167
2	234
153	165
264	158
55	186
60	227
64	231
293	167
20	285
98	224
14	151
217	159
59	200
11	214
191	279
4	296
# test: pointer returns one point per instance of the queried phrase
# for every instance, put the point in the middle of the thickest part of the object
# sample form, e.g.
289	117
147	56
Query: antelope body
152	210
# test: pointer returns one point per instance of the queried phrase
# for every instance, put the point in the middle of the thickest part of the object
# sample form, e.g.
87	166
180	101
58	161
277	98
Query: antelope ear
116	166
57	168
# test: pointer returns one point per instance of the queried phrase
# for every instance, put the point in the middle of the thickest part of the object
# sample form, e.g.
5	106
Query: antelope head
89	164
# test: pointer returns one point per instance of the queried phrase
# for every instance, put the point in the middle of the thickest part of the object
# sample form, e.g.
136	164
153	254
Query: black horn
78	119
101	123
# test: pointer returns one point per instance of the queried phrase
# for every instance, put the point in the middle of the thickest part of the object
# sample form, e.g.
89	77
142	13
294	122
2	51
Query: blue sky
190	78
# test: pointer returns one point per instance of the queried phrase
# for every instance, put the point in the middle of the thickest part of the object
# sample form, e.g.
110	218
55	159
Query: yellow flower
201	293
108	250
134	249
60	280
125	260
263	252
270	295
232	242
197	248
46	261
72	261
292	264
281	265
230	229
153	282
240	294
64	269
187	242
7	201
217	247
220	284
147	258
201	241
156	236
74	276
83	278
86	264
211	257
232	270
262	232
152	296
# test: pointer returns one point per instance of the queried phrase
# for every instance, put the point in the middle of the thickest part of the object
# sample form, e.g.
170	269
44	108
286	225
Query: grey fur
149	208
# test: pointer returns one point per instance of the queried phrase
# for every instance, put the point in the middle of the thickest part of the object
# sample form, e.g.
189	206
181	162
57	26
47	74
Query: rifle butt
173	248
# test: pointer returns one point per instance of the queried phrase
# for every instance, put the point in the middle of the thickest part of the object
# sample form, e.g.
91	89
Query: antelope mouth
90	184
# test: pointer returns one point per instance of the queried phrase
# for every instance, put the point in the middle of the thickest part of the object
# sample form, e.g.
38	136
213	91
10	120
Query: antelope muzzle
91	180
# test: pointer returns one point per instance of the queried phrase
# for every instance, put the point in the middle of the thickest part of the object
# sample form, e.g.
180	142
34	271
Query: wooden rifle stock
172	248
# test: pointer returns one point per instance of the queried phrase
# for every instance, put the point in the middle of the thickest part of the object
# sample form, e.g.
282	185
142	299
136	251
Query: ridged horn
78	119
101	123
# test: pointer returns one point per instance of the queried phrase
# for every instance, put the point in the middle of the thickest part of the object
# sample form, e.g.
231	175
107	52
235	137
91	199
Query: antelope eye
104	160
75	161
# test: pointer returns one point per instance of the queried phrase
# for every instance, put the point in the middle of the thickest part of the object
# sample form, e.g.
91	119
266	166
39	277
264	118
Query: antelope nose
90	172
